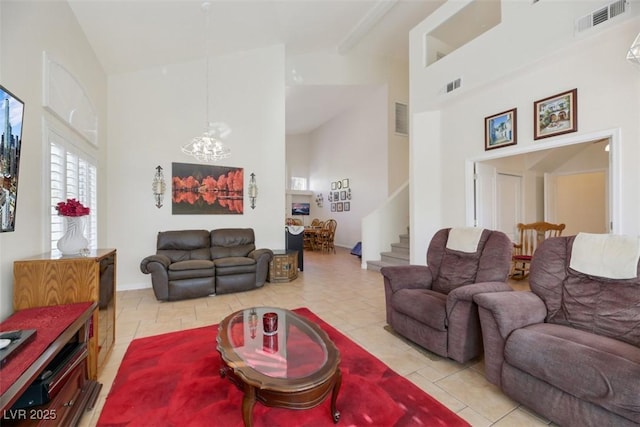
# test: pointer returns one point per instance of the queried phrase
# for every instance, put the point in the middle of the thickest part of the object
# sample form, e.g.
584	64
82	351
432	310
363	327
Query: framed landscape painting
500	129
556	115
206	189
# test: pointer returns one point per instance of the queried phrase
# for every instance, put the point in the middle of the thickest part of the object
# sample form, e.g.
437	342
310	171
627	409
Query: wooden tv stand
55	327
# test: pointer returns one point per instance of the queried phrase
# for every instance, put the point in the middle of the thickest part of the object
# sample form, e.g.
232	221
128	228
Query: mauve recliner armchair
433	305
570	348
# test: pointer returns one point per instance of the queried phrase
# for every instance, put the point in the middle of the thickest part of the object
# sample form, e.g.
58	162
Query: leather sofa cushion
423	305
234	265
191	273
232	242
597	369
194	264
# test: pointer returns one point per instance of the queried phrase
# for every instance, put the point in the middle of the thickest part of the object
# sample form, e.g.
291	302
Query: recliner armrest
263	257
162	259
467	292
500	314
512	310
257	253
407	277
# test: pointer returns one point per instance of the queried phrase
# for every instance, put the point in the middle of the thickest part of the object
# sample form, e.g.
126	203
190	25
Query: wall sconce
349	194
253	190
158	186
330	198
319	200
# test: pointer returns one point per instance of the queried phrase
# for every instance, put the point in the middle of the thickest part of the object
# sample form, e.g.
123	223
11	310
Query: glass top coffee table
288	363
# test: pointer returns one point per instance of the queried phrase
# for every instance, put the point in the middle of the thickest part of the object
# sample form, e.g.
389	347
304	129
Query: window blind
72	176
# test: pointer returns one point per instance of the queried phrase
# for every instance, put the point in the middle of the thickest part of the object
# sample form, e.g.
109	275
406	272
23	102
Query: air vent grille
601	15
402	119
451	86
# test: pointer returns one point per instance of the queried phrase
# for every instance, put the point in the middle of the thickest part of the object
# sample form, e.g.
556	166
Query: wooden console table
55	327
283	266
52	279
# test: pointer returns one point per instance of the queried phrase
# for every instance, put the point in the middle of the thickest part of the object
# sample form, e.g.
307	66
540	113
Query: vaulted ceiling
129	35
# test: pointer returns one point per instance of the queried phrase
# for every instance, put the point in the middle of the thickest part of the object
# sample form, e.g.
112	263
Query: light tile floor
349	298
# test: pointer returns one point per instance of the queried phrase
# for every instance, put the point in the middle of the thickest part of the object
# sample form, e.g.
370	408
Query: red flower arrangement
72	207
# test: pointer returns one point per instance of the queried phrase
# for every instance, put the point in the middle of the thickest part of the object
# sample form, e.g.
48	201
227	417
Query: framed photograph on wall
333	207
556	115
343	195
347	206
345	183
336	196
339	206
500	130
333	185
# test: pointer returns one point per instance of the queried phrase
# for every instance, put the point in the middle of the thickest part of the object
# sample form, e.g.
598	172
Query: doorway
512	188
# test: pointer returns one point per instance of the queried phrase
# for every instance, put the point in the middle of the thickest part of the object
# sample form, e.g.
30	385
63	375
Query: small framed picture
500	129
347	206
343	195
336	196
334	185
556	115
333	207
345	183
339	206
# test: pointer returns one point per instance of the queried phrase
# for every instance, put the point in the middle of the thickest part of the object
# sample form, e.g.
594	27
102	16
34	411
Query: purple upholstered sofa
570	349
433	305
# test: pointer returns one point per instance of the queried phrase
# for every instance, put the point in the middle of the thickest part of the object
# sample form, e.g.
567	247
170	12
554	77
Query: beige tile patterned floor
349	298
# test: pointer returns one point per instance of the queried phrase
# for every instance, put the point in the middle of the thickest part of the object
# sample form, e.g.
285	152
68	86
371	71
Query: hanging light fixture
209	147
634	51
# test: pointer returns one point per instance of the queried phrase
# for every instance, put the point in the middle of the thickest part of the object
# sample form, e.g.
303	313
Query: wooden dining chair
326	236
530	236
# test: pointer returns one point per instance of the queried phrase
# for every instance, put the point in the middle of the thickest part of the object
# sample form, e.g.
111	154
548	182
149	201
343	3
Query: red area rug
173	380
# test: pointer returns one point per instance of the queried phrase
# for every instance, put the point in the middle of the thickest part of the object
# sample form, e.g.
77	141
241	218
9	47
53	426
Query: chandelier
209	147
634	51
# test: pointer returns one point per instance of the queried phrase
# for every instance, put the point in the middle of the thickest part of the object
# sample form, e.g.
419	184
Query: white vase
73	242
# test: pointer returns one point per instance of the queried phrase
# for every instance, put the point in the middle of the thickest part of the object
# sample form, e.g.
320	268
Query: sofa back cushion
452	268
607	307
183	245
232	242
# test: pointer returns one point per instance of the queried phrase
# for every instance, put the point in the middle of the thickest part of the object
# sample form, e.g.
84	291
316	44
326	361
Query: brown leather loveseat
197	263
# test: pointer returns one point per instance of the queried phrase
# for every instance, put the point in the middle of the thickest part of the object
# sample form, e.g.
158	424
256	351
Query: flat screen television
300	208
11	116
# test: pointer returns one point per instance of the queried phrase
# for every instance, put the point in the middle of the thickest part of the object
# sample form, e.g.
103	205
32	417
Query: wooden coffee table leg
334	396
247	405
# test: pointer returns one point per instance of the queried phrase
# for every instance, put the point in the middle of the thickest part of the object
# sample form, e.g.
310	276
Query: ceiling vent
402	119
451	86
601	15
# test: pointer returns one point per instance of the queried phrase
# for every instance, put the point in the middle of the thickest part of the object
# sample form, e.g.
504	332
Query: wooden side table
284	266
51	279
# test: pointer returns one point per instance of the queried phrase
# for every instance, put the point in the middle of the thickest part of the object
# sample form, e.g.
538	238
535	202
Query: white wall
353	145
297	158
153	112
608	98
27	28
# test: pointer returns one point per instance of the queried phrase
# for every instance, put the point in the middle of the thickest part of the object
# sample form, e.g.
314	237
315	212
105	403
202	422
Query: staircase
399	255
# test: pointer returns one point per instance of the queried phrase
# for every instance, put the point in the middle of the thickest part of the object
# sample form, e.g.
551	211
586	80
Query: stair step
394	257
377	265
402	248
399	255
